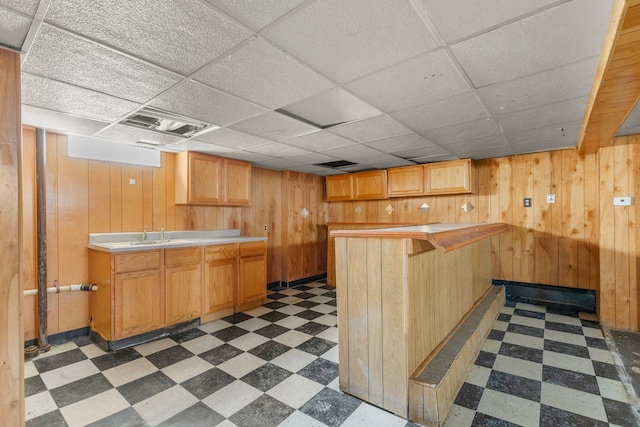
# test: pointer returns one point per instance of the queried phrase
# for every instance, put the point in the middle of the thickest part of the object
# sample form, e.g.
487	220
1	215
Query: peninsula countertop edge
443	236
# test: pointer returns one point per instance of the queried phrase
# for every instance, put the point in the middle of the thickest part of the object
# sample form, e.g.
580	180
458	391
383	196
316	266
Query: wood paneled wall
554	244
619	235
11	244
85	196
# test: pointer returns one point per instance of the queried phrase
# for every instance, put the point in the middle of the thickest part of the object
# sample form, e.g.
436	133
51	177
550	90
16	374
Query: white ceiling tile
348	39
436	158
260	73
352	153
248	156
378	127
548	145
181	36
632	123
318	170
59	122
568	131
564	83
383	161
131	135
278	149
356	168
312	158
462	131
457	109
231	139
561	35
549	114
278	164
28	7
320	140
256	14
417	81
490	153
274	126
52	95
198	101
427	150
628	130
456	19
61	56
399	143
330	107
465	148
13	29
202	147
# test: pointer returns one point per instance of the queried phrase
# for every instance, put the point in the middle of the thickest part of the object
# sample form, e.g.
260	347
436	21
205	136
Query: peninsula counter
414	306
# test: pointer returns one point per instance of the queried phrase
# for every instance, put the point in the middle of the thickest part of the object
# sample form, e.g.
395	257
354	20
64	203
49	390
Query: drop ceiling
387	82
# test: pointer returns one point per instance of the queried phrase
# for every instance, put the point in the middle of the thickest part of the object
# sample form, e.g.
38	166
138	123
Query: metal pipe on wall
65	288
41	231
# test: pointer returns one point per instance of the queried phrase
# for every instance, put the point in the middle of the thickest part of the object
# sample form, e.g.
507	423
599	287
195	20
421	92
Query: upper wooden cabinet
405	181
357	186
370	185
339	187
202	179
453	177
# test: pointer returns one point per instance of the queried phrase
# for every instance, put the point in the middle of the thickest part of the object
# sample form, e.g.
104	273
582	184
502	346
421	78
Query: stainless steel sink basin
149	242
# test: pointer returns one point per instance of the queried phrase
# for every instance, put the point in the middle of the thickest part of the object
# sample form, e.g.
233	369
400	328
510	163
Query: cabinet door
452	177
220	280
338	187
406	181
370	185
183	286
137	303
238	182
205	179
252	285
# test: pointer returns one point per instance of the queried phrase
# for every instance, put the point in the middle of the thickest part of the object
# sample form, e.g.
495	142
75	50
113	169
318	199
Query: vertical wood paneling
621	162
73	229
53	255
132	200
116	197
505	190
541	187
523	232
607	306
11	301
99	200
29	239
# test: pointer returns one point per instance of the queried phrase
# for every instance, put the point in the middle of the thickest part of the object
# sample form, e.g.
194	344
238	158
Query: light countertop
130	242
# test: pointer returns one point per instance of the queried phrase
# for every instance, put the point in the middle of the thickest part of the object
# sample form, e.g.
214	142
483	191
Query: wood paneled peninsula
415	305
152	284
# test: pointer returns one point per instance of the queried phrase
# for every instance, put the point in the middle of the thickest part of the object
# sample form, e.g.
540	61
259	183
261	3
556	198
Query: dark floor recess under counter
556	297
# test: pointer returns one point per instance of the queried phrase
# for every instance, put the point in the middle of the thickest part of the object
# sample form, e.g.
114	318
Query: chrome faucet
162	235
144	235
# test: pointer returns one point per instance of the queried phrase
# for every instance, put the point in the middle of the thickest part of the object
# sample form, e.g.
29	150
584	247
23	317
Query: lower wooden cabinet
220	277
142	291
252	288
182	284
137	303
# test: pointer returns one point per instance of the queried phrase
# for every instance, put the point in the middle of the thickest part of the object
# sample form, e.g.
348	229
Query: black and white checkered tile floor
277	365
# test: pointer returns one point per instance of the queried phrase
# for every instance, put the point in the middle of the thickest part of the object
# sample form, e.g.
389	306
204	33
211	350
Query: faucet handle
162	234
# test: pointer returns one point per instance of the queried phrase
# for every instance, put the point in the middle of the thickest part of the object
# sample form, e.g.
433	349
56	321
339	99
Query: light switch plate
622	201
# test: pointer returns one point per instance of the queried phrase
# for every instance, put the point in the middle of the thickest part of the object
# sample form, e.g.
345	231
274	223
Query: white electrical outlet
622	201
551	198
132	181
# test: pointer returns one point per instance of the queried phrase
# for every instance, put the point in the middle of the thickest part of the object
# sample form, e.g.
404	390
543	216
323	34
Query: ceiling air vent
168	123
336	164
